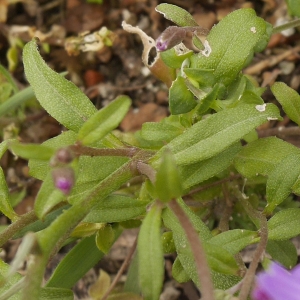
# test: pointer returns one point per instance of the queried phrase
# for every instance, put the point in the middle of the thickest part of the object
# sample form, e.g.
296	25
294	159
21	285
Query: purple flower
171	37
63	179
277	284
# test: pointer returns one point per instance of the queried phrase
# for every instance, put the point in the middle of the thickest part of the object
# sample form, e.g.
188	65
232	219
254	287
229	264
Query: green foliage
293	7
150	254
198	158
61	98
168	182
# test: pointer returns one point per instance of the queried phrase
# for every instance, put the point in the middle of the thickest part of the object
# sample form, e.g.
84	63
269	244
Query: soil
115	70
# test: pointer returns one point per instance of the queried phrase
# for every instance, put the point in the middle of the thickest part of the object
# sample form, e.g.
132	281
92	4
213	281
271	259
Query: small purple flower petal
277	284
171	37
63	179
160	45
64	185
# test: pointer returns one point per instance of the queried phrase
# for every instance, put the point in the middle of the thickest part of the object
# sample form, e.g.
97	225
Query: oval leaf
284	224
281	181
284	252
150	254
233	41
116	208
176	14
181	99
213	135
289	99
59	97
105	238
261	156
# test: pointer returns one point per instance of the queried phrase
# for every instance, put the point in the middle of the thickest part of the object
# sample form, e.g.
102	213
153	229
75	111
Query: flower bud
62	156
171	37
64	179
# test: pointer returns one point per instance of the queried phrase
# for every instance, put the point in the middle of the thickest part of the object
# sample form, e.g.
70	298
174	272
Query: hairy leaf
60	97
150	254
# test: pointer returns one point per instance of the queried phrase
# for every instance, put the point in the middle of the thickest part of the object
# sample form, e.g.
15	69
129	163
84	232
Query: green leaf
5	205
261	156
116	208
213	135
98	289
105	238
234	240
150	254
61	98
233	41
168	242
104	121
224	281
289	99
168	181
171	221
132	280
203	77
16	100
178	272
284	224
198	172
31	151
12	56
281	180
206	102
47	197
162	131
219	259
56	293
76	263
180	97
176	14
173	58
86	229
8	77
293	7
283	252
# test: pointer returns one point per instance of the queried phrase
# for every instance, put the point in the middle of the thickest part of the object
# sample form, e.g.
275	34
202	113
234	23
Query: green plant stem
261	247
15	227
147	170
286	26
65	223
204	275
79	150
